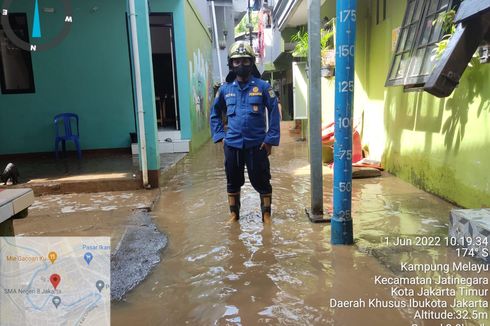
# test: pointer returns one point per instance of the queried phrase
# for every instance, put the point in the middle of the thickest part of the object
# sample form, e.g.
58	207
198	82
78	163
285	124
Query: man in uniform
251	129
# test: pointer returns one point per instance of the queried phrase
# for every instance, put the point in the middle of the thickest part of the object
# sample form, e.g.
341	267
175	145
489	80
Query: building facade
90	71
437	144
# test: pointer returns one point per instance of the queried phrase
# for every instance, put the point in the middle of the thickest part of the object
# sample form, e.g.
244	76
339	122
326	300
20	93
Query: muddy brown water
216	273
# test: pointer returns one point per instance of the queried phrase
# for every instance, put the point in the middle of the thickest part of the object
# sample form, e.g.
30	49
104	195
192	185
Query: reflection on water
217	273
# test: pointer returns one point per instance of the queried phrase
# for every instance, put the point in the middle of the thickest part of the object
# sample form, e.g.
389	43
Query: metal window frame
416	81
398	49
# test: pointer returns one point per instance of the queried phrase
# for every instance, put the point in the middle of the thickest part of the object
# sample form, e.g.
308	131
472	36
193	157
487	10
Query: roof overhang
291	13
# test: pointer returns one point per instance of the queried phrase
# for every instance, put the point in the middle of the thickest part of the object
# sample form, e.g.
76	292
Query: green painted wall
199	49
288	32
88	73
439	145
193	60
177	8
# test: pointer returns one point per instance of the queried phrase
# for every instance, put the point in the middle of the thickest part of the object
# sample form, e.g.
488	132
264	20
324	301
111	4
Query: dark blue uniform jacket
246	112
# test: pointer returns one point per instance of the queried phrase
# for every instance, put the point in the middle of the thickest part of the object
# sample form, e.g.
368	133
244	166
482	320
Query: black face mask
243	71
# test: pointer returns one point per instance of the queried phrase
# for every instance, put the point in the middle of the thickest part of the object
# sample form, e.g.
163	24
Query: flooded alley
218	273
114	202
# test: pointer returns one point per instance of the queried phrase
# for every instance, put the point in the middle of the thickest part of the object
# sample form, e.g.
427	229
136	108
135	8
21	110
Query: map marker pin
55	280
56	301
52	256
88	257
100	285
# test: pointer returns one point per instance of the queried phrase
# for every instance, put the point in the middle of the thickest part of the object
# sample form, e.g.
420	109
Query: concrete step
126	183
172	134
474	224
175	146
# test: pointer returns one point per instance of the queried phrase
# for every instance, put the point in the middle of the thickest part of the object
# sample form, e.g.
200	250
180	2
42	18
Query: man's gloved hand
267	147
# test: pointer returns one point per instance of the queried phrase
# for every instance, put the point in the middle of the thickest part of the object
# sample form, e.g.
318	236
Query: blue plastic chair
66	133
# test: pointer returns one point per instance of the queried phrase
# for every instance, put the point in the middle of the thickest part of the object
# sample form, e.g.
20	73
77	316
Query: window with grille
413	59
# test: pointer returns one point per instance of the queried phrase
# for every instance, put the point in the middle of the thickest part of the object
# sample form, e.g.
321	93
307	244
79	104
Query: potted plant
301	48
446	19
327	42
327	47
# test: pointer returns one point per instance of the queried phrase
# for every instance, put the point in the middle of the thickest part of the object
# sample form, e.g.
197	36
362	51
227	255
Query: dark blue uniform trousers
258	169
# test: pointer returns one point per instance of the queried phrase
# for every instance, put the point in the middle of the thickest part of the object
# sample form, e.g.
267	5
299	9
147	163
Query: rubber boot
265	207
234	202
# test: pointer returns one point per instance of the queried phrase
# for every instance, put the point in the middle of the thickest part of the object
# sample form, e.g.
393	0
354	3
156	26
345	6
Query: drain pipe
344	103
217	42
139	90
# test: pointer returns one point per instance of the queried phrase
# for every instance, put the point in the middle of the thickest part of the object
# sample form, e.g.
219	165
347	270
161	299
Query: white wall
202	8
224	21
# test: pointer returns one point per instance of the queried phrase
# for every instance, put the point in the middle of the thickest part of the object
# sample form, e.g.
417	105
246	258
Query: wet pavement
86	214
97	171
136	243
218	273
44	167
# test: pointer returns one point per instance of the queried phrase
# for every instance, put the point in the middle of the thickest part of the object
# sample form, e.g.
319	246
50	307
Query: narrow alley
116	118
216	273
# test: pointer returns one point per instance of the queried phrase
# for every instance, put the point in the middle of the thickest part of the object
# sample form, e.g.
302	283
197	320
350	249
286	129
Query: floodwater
218	273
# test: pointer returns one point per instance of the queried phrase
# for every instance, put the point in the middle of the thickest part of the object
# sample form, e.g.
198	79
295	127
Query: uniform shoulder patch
271	93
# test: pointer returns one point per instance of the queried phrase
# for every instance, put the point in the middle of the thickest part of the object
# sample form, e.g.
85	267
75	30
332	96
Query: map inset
55	281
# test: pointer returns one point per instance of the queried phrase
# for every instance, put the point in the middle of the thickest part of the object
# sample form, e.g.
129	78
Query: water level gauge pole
344	100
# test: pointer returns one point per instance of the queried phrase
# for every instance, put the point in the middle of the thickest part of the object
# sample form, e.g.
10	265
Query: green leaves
301	47
447	21
242	26
327	40
449	28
